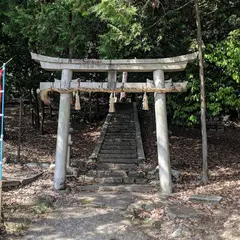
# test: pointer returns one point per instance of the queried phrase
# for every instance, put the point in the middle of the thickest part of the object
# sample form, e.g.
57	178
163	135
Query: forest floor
30	210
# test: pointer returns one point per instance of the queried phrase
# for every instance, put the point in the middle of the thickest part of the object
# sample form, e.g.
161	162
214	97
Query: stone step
117	156
116	166
121	145
113	147
112	180
107	173
116	130
120	188
122	116
118	160
120	141
118	118
118	147
109	180
121	133
124	134
119	151
122	120
122	128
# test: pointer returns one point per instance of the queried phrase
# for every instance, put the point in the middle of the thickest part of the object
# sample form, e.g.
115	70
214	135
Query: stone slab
109	180
133	174
119	188
207	198
183	212
128	180
116	166
10	183
141	180
117	156
120	134
116	160
30	179
120	142
119	147
116	151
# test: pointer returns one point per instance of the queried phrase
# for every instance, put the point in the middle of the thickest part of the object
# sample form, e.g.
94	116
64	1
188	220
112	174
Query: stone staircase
119	150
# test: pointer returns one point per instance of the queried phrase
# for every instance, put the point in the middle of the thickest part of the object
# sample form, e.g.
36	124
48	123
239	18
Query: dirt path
97	217
35	211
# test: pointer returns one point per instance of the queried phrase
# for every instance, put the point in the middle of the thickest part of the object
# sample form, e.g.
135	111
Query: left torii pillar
63	131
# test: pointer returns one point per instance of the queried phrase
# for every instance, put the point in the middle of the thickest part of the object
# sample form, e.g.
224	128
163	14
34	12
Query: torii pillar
63	132
157	66
162	134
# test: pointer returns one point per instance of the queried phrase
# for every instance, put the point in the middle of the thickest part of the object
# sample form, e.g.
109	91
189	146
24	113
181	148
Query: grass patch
17	228
42	206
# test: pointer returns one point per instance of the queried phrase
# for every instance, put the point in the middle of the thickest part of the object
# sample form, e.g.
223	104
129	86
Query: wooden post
62	136
162	134
43	117
69	150
19	129
112	81
203	99
124	80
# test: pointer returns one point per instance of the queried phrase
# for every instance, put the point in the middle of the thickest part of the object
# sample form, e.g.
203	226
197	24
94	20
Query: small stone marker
210	198
177	233
32	165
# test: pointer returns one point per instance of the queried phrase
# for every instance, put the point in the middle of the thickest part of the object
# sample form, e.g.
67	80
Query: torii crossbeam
157	66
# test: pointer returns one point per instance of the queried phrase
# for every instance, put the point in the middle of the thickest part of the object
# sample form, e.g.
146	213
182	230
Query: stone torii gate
157	66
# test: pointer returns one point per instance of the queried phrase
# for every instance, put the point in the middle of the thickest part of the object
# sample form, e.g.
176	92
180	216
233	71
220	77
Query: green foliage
226	55
122	28
54	28
127	29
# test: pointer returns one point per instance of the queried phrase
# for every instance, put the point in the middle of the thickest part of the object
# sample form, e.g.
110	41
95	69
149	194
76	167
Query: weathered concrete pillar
112	79
162	134
69	149
62	135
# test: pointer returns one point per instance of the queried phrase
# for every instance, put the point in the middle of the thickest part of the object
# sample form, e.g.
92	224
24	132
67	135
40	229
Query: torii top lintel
172	64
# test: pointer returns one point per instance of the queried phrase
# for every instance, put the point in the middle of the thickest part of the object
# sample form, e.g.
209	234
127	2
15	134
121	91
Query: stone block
111	180
141	180
128	180
209	198
133	174
87	180
183	212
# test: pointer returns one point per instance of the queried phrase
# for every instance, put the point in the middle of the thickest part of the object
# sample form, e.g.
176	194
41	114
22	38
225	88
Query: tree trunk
42	119
70	50
97	106
37	119
90	108
203	100
19	130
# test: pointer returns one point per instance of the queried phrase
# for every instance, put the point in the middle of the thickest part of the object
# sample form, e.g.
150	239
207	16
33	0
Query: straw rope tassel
145	102
111	103
45	97
115	98
77	102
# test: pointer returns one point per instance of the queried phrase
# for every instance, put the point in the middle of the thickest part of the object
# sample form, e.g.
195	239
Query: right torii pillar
162	134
